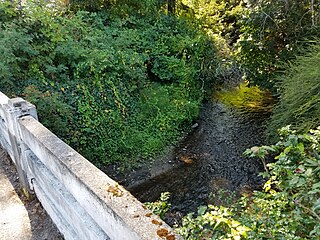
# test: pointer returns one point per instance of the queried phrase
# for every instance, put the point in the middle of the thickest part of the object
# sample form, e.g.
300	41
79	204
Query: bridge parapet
82	201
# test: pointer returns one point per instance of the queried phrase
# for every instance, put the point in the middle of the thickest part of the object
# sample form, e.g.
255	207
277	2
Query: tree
272	32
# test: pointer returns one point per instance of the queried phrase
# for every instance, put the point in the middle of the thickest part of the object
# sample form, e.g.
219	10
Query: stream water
209	159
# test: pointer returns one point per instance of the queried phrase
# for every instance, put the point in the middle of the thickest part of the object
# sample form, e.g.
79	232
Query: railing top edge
3	98
104	188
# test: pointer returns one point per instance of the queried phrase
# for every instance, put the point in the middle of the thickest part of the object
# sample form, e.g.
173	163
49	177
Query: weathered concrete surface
82	201
74	191
14	219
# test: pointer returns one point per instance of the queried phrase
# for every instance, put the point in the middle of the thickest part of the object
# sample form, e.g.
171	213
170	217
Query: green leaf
202	210
294	181
301	182
316	206
300	146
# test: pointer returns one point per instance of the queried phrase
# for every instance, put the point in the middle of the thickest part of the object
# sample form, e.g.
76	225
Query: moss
247	98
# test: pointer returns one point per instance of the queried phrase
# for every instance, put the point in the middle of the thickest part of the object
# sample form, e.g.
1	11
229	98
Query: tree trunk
312	13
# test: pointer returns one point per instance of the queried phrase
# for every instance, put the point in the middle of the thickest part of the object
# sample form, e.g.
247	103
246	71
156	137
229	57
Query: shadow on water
210	158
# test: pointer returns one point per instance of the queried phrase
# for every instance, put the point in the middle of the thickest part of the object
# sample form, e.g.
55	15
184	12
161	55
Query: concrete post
15	109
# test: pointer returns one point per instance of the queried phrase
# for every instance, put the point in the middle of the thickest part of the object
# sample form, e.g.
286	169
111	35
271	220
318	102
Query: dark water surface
210	158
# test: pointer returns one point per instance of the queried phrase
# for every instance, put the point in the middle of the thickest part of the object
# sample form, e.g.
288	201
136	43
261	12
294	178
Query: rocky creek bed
208	159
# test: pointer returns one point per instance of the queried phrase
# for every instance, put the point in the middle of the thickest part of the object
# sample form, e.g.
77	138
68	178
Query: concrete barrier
82	201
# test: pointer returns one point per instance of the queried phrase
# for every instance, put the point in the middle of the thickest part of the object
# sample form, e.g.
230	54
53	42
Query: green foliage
16	51
259	34
259	152
161	206
215	17
92	6
54	112
117	7
130	82
218	19
287	208
212	222
272	32
162	111
300	94
8	10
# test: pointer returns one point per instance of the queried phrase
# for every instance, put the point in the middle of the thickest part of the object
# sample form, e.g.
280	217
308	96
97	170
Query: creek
208	159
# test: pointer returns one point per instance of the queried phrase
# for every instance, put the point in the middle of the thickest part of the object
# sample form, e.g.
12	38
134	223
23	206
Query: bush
160	207
212	222
130	82
53	111
289	207
16	50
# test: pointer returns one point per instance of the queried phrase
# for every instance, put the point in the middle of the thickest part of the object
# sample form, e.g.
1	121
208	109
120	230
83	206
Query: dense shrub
118	6
290	207
123	86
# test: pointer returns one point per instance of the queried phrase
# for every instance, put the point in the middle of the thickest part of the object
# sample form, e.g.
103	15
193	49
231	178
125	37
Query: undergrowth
117	87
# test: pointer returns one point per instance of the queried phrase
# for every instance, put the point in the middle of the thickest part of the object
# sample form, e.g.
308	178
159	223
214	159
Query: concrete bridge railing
82	201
